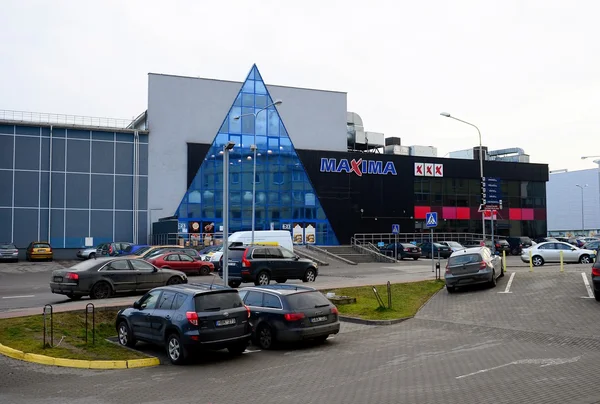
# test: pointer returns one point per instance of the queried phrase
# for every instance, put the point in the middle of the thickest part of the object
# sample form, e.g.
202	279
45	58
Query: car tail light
406	249
334	310
497	245
595	271
447	269
72	276
110	250
293	316
192	317
245	262
248	310
482	265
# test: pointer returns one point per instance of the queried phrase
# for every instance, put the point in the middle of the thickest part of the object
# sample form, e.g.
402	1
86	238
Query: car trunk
316	308
221	316
464	264
7	250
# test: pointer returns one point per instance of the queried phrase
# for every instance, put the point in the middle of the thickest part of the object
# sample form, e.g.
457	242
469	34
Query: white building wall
564	201
185	110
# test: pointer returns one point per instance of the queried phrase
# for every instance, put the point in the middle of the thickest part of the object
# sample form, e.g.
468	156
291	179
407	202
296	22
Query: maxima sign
429	170
358	167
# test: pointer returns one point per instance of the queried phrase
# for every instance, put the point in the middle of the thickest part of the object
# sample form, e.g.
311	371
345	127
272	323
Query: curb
77	363
356	320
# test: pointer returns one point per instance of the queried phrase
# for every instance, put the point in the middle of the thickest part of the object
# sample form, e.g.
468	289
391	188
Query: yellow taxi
39	250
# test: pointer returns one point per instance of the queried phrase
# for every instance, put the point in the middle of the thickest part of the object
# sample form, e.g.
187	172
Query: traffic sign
395	229
431	219
491	193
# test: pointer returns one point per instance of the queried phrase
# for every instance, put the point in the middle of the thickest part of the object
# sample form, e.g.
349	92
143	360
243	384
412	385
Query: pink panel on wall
526	214
448	212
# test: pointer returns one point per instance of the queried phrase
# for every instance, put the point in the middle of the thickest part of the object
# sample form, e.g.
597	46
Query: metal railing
388	238
62	119
370	249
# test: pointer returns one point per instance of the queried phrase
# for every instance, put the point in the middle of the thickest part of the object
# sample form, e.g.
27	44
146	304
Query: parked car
550	252
133	248
596	279
9	252
518	243
405	250
576	242
592	245
208	249
103	277
260	264
540	240
187	318
188	251
286	313
181	262
39	250
146	252
440	250
562	239
501	245
104	249
454	246
472	266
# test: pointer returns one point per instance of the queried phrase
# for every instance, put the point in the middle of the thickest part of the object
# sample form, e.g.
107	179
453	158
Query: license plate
229	321
58	279
318	319
41	250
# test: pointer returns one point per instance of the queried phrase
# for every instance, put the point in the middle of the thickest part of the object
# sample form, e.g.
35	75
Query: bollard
504	260
530	262
562	263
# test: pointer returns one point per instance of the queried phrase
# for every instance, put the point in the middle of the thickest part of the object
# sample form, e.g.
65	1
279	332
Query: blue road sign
431	219
380	244
395	229
491	192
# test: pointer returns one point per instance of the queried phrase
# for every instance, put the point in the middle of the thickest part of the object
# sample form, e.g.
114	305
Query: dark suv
284	313
185	318
517	244
260	264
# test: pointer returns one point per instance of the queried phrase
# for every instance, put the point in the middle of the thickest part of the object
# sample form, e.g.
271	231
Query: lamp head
278	102
230	145
236	118
446	114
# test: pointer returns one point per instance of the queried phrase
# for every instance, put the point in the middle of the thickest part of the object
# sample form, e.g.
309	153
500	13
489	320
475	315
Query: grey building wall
187	109
564	201
63	184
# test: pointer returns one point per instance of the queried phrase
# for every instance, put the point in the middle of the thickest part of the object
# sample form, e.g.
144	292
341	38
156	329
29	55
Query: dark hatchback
260	264
596	279
288	313
405	250
517	244
102	277
187	318
440	250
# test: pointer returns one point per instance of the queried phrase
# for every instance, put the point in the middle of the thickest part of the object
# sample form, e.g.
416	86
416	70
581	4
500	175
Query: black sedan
439	250
101	278
405	250
287	313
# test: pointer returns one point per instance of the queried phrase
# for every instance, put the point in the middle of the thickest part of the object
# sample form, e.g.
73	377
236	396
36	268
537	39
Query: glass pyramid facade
285	197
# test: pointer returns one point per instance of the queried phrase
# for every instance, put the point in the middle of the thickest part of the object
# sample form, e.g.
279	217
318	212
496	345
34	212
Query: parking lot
531	339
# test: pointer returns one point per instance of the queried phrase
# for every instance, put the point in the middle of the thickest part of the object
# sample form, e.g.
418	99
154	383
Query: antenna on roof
211	283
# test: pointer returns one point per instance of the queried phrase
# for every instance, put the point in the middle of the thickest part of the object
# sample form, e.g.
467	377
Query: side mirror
573	248
155	269
296	258
136	305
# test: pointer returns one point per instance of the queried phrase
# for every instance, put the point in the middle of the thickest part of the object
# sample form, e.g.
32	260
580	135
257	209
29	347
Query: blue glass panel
283	190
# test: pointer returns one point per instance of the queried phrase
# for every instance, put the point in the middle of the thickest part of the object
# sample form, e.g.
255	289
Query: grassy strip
407	298
26	334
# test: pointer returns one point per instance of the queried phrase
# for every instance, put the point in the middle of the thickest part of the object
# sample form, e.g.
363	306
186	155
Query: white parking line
510	281
587	286
247	351
17	297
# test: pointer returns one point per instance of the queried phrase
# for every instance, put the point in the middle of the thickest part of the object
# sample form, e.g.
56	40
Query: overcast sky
526	72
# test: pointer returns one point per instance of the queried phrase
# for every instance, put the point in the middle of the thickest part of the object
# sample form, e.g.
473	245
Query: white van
282	238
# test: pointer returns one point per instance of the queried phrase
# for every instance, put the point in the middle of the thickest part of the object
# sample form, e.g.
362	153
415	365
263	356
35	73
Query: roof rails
287	287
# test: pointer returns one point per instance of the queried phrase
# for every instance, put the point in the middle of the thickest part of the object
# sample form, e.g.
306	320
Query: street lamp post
582	215
226	149
447	115
254	150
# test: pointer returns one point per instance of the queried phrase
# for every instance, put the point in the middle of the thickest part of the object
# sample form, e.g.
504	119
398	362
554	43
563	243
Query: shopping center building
83	181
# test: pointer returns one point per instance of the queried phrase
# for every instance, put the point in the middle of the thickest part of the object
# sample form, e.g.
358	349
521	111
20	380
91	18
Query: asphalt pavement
537	342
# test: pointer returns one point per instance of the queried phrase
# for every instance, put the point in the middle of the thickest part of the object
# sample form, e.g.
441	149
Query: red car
183	263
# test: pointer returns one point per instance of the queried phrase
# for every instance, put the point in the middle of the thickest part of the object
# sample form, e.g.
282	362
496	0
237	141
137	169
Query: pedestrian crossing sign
431	219
395	229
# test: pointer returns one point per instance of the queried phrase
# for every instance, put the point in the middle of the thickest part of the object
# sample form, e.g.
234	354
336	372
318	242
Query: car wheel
493	282
281	280
537	261
234	284
264	337
321	339
101	290
262	279
310	275
238	348
174	280
204	270
125	336
450	289
73	297
415	258
175	350
585	259
92	256
501	269
514	251
597	296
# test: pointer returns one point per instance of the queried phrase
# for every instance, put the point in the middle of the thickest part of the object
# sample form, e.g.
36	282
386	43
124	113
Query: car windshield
453	244
307	300
464	259
142	250
128	248
41	245
6	246
218	301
